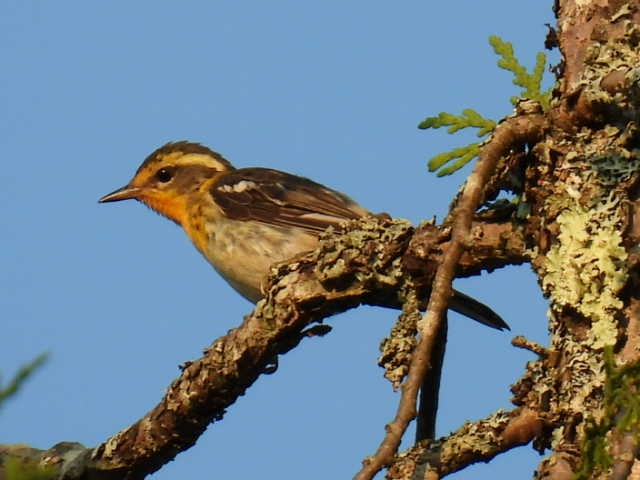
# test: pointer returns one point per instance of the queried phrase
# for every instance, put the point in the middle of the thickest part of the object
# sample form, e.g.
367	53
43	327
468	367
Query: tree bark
578	167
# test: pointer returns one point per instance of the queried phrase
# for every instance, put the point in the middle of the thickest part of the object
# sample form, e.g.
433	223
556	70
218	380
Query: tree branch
512	132
361	262
474	442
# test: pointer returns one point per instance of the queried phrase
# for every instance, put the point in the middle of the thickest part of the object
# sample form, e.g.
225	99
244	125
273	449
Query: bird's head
169	175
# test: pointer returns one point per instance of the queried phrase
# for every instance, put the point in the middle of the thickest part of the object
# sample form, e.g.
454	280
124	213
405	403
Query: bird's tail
472	308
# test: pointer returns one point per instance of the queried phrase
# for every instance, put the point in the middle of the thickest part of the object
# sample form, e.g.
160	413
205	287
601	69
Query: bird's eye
164	175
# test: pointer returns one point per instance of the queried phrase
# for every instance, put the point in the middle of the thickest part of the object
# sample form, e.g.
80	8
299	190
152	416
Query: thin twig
519	341
513	131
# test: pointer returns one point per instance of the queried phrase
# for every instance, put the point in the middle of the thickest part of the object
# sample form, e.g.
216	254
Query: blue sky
332	91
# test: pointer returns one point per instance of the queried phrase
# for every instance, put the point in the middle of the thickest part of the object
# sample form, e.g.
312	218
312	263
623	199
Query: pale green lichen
396	349
340	252
585	268
557	437
602	58
480	437
584	383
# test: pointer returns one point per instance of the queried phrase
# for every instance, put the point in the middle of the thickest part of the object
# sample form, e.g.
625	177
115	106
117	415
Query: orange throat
172	207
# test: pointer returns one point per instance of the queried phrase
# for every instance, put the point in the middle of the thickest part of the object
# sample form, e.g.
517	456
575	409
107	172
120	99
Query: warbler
245	220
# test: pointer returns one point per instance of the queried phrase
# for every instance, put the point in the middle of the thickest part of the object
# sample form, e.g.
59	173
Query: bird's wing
281	199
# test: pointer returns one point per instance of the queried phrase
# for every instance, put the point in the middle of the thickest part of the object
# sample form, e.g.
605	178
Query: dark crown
183	147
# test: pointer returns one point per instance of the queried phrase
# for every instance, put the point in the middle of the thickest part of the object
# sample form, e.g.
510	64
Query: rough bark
364	262
578	167
581	189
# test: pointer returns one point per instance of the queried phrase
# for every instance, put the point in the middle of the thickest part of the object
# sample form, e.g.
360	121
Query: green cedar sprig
469	119
531	83
458	157
448	162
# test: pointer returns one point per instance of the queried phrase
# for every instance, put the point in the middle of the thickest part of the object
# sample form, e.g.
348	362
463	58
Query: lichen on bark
586	267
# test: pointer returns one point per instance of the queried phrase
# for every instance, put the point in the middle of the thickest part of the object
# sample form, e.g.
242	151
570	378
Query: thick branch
361	263
493	245
581	24
303	295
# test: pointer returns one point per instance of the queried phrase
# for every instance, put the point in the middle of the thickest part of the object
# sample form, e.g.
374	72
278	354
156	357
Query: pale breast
243	252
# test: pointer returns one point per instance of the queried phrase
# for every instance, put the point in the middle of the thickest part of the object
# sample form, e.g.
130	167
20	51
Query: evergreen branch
469	119
531	83
538	71
21	376
456	159
448	162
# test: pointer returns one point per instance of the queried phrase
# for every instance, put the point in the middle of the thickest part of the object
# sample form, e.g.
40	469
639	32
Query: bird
244	220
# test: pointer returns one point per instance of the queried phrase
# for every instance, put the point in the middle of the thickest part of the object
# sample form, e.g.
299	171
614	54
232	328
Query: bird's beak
125	193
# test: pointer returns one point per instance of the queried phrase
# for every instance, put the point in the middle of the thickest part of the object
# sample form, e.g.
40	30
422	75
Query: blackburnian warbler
245	220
